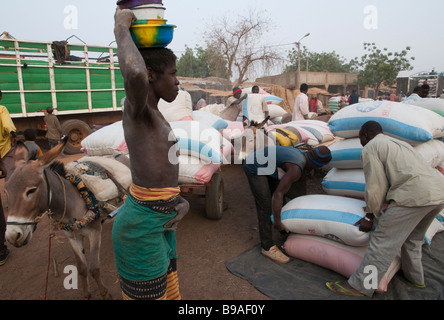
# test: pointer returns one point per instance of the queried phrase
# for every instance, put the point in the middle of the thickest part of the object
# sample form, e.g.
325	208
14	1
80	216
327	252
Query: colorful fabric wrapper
165	287
154	194
142	248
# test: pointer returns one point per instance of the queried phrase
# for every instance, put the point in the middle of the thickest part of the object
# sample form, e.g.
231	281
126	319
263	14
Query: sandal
336	287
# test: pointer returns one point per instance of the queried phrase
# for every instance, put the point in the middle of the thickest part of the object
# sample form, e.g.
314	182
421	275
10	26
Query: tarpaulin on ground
301	280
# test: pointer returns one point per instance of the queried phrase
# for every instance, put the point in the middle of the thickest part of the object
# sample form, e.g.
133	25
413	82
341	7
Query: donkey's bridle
48	210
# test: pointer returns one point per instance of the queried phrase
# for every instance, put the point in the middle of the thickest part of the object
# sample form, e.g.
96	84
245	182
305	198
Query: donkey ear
21	154
260	125
52	154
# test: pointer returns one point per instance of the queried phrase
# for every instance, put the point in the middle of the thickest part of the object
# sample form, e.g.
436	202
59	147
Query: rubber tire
214	197
78	127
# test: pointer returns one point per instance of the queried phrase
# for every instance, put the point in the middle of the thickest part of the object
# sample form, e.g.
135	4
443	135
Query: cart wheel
76	130
214	197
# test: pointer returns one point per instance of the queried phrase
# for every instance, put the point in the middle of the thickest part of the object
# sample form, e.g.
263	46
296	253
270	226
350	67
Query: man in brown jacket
54	129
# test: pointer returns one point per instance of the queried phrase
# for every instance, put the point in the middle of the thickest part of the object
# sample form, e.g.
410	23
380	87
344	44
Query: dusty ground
203	246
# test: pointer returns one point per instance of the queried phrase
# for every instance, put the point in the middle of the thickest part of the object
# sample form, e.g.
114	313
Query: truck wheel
214	197
76	131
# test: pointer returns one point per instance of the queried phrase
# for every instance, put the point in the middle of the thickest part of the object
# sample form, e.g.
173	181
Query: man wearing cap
53	126
275	173
233	106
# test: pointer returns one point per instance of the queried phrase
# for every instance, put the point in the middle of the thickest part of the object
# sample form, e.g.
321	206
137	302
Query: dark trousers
262	188
52	143
8	163
2	229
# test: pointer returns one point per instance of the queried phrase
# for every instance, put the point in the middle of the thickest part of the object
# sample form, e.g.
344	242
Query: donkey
36	189
253	138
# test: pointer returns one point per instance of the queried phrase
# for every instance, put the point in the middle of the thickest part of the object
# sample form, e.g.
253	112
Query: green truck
81	82
84	85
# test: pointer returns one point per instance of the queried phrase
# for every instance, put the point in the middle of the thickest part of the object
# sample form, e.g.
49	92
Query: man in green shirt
397	175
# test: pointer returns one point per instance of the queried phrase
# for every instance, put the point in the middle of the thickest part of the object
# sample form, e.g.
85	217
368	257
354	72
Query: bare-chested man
144	237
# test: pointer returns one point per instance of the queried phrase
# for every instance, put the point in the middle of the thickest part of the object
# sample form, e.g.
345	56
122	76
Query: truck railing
88	85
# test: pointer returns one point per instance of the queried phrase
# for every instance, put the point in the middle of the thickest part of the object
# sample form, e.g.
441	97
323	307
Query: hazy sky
342	25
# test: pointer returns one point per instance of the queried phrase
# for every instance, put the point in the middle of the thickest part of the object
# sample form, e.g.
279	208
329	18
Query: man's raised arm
131	63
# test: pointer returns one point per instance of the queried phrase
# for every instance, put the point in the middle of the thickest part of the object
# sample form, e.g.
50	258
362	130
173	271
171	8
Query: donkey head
26	194
253	138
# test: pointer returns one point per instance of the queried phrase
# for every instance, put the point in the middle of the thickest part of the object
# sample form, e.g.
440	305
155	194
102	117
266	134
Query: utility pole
298	44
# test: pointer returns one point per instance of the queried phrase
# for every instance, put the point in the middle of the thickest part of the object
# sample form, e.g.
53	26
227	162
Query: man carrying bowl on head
144	236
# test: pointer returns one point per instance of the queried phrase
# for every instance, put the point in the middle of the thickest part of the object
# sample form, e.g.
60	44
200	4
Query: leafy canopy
380	66
317	62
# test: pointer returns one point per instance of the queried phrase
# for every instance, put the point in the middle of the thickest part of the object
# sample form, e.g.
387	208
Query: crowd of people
268	189
144	231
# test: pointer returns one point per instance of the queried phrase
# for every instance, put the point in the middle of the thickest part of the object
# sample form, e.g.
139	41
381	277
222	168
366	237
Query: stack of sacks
433	152
334	256
211	119
409	123
323	233
346	178
327	216
334	104
435	105
202	149
311	132
414	125
213	108
276	113
106	141
95	174
178	110
230	130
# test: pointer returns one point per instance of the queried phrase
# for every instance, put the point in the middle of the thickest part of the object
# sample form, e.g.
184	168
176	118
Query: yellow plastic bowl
152	35
150	21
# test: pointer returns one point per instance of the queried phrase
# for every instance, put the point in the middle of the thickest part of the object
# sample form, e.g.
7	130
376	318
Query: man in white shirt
255	107
301	109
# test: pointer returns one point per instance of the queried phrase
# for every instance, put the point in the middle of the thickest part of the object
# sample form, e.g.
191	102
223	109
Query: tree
238	40
206	63
317	62
217	64
190	66
378	67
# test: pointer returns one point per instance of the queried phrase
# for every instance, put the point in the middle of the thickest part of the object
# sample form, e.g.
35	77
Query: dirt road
203	246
